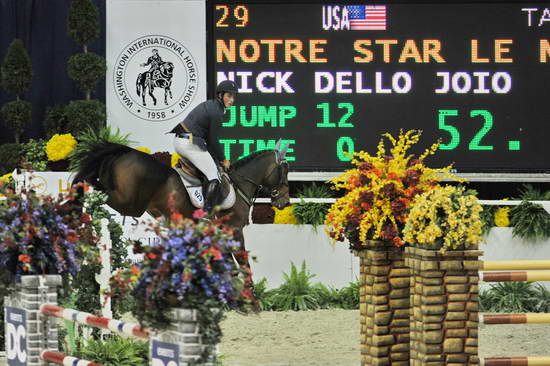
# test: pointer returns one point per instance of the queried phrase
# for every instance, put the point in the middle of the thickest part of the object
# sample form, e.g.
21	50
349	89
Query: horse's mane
247	159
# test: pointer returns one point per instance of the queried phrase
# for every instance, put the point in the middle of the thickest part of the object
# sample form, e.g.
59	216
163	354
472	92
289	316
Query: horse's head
276	180
167	69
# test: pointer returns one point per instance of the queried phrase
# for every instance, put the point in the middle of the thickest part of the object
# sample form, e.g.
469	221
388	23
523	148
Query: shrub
17	115
83	21
16	71
34	155
55	121
263	295
10	157
530	220
87	69
85	114
508	297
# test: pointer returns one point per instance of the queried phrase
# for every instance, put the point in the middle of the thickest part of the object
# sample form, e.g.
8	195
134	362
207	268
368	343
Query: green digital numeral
344	148
453	131
343	122
487	125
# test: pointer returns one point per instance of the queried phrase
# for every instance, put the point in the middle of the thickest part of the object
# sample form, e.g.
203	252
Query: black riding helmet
227	86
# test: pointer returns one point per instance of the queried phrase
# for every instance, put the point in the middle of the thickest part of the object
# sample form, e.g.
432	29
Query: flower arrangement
6	178
446	218
60	146
285	216
41	235
191	267
380	191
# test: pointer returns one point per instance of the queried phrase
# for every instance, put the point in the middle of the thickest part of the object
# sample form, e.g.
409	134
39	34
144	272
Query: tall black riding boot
212	194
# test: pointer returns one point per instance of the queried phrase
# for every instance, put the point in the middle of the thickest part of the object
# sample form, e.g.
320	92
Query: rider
155	61
197	138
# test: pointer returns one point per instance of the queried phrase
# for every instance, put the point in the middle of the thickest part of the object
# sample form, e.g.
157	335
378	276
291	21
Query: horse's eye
274	193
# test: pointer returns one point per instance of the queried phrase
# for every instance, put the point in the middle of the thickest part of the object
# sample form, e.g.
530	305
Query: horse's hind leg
151	88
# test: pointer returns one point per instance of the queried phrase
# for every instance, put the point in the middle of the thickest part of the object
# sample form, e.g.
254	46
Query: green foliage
263	295
296	293
530	222
541	300
10	157
34	155
315	191
88	140
83	21
16	71
85	114
87	69
349	296
508	297
487	217
68	333
116	351
55	121
310	213
17	115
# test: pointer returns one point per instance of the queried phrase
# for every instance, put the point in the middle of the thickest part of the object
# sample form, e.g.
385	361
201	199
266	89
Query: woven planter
444	296
384	305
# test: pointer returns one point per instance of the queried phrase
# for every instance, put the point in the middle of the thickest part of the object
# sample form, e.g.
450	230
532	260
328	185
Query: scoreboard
330	78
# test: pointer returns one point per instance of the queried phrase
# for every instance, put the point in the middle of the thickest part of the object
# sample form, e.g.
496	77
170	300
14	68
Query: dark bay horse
135	183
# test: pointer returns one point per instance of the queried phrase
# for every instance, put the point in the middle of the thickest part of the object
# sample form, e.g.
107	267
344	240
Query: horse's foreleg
143	95
151	88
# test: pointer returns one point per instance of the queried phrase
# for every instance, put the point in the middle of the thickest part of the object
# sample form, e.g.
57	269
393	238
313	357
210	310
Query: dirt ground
331	337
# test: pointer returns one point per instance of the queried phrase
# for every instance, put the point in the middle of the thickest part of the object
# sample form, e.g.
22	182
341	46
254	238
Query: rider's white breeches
202	159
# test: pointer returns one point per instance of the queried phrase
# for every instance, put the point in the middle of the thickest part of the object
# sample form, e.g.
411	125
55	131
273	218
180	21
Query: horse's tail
98	162
138	84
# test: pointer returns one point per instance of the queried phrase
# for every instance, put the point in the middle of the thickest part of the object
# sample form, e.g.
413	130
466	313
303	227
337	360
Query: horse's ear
283	152
278	145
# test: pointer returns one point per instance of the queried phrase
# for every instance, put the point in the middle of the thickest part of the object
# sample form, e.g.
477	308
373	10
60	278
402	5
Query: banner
156	66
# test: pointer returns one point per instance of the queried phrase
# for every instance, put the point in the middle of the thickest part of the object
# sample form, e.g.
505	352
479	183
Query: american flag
367	17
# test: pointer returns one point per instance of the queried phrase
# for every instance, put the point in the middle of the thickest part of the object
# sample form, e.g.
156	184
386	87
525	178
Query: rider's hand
141	65
226	164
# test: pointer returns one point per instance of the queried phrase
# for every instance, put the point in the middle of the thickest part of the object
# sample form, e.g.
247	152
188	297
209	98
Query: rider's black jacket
203	123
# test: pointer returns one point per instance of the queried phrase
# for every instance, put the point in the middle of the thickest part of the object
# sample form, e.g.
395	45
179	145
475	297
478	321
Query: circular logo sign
155	78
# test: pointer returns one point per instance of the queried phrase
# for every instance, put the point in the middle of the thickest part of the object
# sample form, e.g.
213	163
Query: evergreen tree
83	22
15	78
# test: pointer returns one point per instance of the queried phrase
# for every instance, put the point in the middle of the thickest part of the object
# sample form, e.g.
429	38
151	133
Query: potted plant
371	216
192	268
58	149
444	228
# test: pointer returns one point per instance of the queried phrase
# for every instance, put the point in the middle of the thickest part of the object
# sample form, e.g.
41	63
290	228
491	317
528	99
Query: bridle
274	193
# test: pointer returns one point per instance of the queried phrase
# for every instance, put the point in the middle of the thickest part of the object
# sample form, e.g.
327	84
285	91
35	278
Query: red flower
389	190
412	177
176	216
151	255
199	214
398	206
366	166
85	218
72	237
135	270
23	258
388	231
393	176
398	242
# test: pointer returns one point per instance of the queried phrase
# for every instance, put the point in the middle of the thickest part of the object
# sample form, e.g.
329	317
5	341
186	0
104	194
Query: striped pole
514	265
516	361
61	359
515	276
527	318
95	321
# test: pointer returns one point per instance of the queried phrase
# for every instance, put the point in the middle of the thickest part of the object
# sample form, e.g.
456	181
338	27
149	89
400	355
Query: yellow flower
446	218
284	216
502	217
60	146
6	178
175	159
144	149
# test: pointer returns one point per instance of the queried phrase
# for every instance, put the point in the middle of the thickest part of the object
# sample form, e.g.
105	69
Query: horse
135	183
159	78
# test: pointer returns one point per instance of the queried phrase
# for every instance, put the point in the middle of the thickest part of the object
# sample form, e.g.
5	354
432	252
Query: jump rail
515	276
95	321
61	359
515	361
525	318
515	265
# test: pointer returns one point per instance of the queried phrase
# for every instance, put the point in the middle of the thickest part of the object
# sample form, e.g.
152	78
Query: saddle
195	183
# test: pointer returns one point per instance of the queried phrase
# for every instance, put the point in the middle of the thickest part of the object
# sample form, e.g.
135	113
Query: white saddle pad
194	189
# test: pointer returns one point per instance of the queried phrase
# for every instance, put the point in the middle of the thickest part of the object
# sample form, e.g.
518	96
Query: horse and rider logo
155	78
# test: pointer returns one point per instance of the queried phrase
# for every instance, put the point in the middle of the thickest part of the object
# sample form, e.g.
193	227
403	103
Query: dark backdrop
42	25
